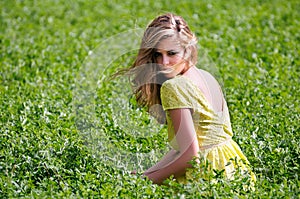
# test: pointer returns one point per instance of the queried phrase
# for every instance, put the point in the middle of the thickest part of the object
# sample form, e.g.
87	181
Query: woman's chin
170	76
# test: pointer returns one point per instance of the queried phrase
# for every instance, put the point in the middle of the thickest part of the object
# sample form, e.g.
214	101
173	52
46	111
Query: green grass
65	136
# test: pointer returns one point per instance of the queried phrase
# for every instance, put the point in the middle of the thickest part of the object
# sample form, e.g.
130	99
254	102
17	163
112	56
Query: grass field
68	131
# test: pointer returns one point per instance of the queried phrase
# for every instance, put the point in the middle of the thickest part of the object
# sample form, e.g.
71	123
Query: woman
191	99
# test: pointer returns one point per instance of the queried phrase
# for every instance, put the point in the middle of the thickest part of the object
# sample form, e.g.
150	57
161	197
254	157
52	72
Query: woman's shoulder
179	81
177	92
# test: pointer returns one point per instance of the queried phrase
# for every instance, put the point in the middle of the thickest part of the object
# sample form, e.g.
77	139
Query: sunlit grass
49	147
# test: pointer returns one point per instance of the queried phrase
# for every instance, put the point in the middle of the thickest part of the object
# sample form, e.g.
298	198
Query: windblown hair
147	75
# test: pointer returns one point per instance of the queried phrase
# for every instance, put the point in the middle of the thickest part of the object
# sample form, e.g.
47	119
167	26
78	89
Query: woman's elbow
194	149
192	152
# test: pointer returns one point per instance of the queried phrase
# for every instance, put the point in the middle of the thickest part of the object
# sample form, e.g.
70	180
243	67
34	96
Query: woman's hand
133	172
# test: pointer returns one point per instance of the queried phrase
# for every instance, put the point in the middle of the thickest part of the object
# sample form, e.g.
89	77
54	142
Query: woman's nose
165	60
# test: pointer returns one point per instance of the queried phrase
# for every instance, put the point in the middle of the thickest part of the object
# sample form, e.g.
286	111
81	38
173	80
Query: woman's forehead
169	43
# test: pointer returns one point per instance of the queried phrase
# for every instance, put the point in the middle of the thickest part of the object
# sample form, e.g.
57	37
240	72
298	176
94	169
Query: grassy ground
60	135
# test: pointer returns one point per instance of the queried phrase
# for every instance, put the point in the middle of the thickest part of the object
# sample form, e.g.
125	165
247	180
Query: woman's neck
190	71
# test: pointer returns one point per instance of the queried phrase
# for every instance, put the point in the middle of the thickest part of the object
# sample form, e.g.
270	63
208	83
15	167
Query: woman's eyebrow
165	50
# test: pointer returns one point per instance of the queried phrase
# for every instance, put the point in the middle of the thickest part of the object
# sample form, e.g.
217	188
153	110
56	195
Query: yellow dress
213	129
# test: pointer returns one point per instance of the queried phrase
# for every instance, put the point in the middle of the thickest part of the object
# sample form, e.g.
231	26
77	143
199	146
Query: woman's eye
156	54
171	53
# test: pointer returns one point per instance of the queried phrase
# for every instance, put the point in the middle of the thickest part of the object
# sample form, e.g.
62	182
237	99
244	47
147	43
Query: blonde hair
147	75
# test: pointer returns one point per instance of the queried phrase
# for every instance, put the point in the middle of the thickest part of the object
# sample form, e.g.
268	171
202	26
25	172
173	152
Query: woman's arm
188	148
166	160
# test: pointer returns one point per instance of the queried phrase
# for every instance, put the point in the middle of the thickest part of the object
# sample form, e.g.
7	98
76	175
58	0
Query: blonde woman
189	100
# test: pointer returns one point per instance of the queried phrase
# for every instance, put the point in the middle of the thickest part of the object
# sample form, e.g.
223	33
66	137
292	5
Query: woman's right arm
168	158
188	148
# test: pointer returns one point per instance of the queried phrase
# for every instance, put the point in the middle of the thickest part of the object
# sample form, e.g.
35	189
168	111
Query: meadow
67	130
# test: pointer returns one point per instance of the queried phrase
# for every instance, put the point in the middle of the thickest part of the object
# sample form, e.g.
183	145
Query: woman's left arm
188	146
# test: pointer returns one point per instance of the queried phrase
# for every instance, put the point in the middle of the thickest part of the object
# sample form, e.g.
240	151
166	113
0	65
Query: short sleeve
177	93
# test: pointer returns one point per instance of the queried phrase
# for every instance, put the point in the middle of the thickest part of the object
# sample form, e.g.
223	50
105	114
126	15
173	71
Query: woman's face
169	54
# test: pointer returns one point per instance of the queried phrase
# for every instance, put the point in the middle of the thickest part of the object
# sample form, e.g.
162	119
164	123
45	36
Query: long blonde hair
147	75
